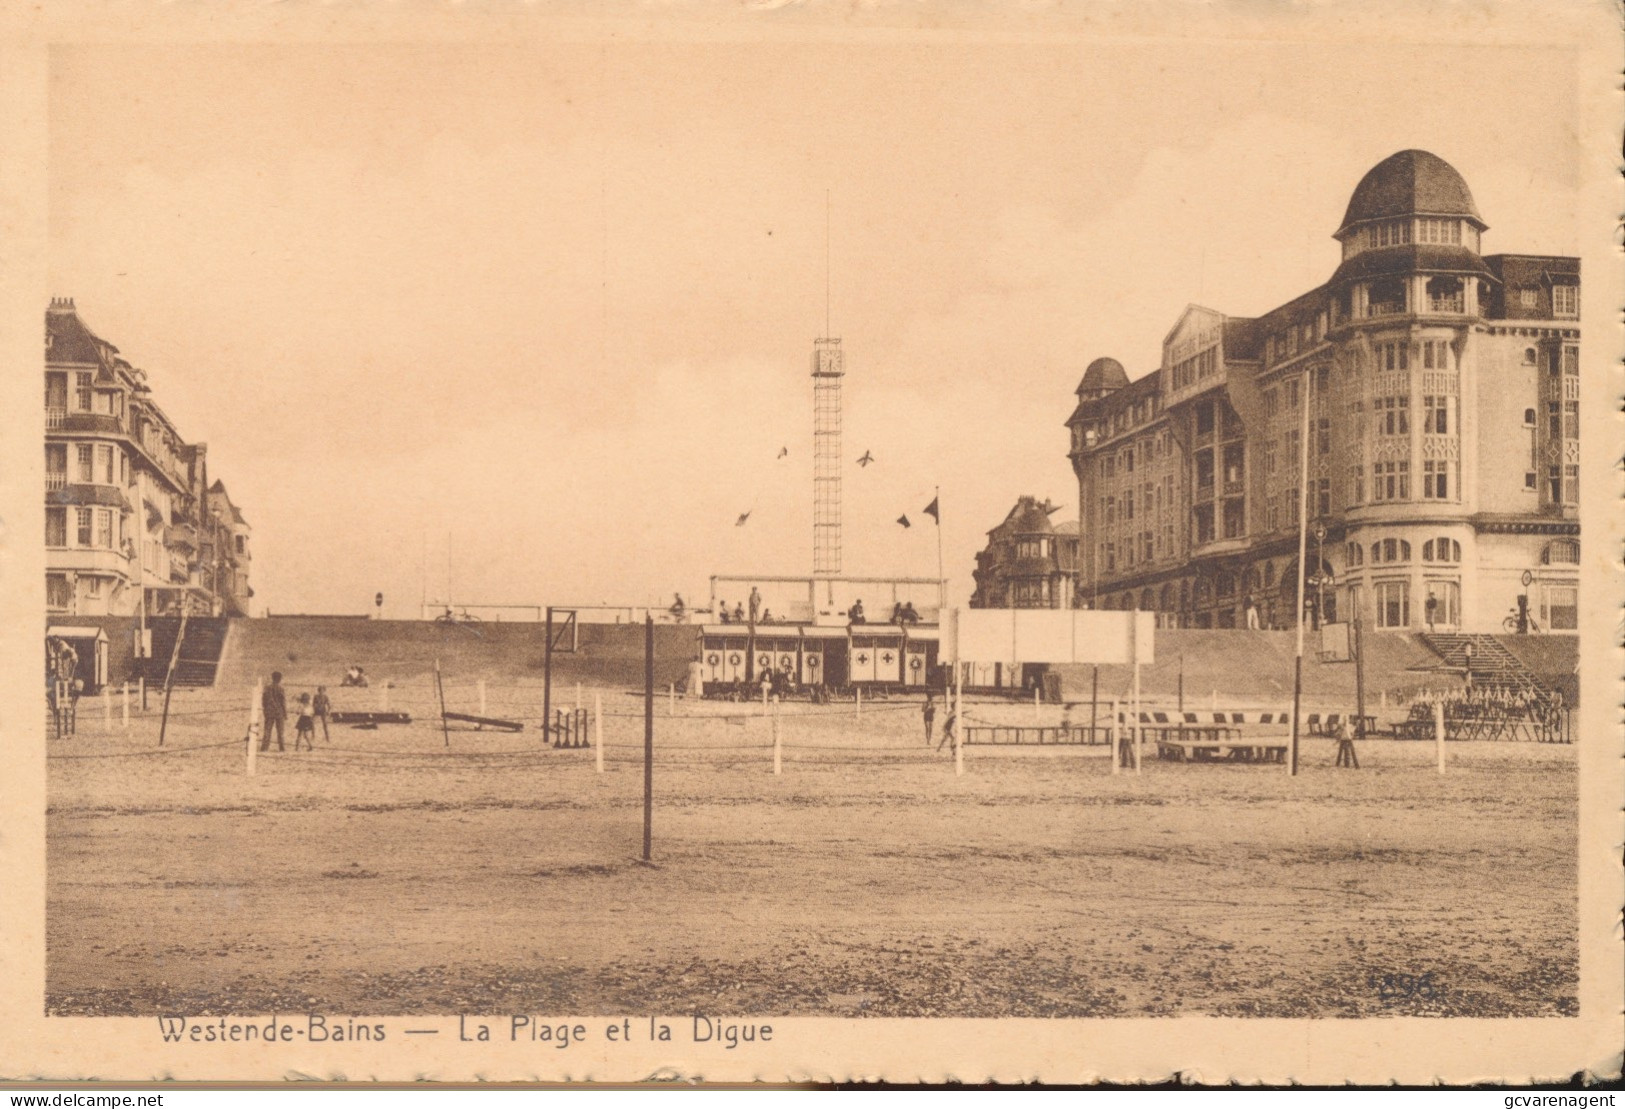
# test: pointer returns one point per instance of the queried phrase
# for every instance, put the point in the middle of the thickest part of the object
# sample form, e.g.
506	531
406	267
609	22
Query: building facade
131	522
1028	562
1421	408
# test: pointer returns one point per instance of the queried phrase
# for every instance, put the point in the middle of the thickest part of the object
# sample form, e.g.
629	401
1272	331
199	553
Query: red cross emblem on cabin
863	656
886	658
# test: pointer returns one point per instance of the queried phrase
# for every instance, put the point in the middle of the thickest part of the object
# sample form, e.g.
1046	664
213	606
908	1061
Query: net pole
107	708
1438	731
648	733
440	690
598	730
1117	754
253	717
124	708
778	765
547	676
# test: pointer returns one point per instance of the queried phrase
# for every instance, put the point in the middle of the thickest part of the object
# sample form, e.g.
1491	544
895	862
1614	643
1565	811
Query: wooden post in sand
253	716
598	729
1438	731
124	708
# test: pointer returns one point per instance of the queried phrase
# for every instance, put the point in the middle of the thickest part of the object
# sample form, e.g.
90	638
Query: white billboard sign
1013	635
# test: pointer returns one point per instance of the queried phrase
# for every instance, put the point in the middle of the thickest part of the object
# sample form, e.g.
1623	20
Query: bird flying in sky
904	521
866	459
743	516
784	452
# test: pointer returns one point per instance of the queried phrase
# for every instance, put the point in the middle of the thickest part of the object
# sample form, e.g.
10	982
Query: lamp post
1319	580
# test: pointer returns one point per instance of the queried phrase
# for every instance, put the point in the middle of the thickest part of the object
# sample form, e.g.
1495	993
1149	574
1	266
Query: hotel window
1571	483
1565	300
1393	356
1272	516
1528	298
1386	297
1356	485
56	391
1561	551
1571	419
1293	508
1323	496
1204	418
104	464
1111	510
1109	556
1393	604
56	459
1109	466
1269	456
1445	294
85	520
1436	479
1393	415
1204	523
56	527
1443	605
1560	607
104	528
1442	549
1128	505
1435	354
82	392
1147	546
1128	460
1391	481
1235	518
1571	360
1292	395
1391	550
58	594
1390	233
1353	555
1436	415
85	456
1294	446
1554	419
1554	484
1323	437
1272	403
1438	231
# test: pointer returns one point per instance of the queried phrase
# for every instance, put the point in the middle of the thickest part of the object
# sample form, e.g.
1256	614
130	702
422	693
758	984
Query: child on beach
305	728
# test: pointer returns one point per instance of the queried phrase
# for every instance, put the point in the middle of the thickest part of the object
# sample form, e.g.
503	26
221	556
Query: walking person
274	707
322	707
305	726
1345	746
929	712
948	735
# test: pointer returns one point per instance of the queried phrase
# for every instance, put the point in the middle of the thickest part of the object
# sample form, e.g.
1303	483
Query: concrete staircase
1491	665
199	661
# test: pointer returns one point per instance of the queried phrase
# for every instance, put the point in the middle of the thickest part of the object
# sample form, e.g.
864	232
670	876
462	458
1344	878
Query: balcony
1234	488
1448	304
54	416
179	572
55	480
83	421
1385	308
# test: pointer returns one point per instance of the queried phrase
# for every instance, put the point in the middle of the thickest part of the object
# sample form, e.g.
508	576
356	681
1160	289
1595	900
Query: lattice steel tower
827	370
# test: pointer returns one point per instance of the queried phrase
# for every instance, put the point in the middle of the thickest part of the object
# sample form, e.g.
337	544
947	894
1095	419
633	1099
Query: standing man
322	707
274	707
755	603
929	712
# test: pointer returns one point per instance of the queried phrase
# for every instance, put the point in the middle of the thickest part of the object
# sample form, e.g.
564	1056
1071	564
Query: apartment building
131	522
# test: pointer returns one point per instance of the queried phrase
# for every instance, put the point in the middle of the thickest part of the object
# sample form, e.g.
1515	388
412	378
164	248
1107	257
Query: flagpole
942	579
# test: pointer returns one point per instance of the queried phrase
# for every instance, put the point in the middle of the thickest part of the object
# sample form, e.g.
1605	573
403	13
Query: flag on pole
931	510
904	521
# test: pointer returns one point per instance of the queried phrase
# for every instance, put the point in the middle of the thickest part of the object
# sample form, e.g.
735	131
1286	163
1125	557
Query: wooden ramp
483	722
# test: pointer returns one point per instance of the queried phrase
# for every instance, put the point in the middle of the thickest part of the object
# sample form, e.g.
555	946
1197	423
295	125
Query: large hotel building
1442	395
132	524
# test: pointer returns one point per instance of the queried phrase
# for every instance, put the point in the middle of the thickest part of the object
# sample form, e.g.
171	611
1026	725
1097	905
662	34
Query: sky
531	324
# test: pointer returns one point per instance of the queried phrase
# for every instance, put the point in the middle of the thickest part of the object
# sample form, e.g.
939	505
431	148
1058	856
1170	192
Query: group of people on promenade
274	714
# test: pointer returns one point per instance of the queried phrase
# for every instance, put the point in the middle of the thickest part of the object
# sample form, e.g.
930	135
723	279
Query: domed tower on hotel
1442	395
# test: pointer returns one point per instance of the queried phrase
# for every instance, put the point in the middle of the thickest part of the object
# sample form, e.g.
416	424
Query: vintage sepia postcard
809	541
